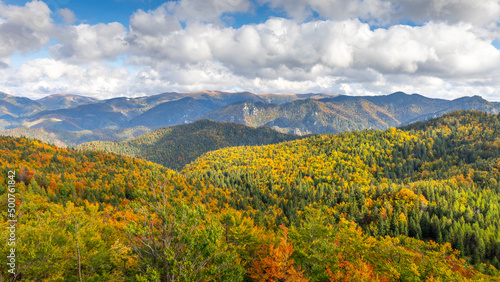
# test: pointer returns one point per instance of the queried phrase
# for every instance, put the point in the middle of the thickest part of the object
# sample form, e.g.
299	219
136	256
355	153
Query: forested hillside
64	175
413	204
177	146
436	180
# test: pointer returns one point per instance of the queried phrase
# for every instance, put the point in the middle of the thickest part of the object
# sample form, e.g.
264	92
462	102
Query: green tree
181	242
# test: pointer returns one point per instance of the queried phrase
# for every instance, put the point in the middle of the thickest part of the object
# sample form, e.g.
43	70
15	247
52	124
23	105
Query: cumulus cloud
452	11
34	15
435	48
4	63
328	56
24	29
285	48
86	43
214	75
393	11
39	77
153	23
370	10
183	46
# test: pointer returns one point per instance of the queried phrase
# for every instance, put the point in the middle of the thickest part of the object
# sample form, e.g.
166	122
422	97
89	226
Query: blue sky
444	49
106	11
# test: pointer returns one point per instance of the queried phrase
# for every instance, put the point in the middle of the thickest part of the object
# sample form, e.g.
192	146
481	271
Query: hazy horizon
333	94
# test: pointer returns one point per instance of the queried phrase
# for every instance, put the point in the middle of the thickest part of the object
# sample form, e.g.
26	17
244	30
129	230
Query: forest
416	203
176	146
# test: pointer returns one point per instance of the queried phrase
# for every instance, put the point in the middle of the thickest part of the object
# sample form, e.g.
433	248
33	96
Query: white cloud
24	29
377	11
285	56
34	15
393	11
450	52
452	11
281	47
85	43
153	23
39	77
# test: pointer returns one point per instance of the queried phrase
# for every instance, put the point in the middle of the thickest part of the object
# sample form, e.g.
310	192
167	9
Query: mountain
309	116
311	113
174	112
84	117
249	113
12	107
219	98
286	98
476	103
401	106
65	101
74	113
60	114
176	146
345	113
188	107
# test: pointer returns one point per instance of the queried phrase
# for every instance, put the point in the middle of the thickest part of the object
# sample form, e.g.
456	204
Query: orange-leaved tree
275	263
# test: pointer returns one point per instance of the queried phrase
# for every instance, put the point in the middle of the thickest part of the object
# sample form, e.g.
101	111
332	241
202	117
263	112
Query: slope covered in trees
176	146
64	175
435	180
324	208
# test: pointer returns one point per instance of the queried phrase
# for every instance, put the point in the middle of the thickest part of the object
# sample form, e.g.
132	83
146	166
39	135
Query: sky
110	48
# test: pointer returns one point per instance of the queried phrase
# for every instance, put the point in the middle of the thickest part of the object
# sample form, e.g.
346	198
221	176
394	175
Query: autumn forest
415	203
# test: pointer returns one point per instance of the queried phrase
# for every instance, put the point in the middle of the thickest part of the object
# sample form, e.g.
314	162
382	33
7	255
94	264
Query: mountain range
69	120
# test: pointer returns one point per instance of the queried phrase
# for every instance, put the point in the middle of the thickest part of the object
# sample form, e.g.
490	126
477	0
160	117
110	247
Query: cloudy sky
108	48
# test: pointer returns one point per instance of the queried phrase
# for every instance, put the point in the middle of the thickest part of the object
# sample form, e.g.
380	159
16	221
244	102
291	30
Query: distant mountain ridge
345	113
291	113
65	101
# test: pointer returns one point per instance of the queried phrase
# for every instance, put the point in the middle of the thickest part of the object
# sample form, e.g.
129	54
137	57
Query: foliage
275	263
67	175
420	203
182	243
176	146
437	180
